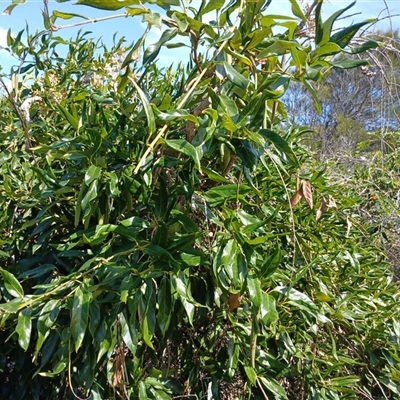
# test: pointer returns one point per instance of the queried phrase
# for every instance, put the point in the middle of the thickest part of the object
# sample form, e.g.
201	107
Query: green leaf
297	11
11	7
174	115
74	122
272	263
183	146
92	173
224	104
147	335
151	122
255	292
153	19
189	308
369	44
251	374
12	306
164	304
279	47
247	153
12	284
47	318
214	176
311	90
348	63
325	50
133	54
269	314
90	195
273	386
229	261
24	328
326	27
142	391
63	15
220	194
181	20
80	314
212	5
126	333
136	11
152	51
234	76
343	37
281	144
111	5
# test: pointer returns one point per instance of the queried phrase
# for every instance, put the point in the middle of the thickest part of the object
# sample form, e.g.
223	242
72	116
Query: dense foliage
163	237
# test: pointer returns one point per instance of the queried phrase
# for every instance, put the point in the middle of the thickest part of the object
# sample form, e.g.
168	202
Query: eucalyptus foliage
162	234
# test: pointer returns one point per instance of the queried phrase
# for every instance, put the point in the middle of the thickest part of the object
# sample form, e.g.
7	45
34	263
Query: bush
160	238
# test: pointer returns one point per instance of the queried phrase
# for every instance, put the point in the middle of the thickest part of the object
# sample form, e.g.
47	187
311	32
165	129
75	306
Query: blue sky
132	28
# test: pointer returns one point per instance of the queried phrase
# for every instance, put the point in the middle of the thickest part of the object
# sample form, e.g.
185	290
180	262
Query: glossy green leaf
92	174
348	63
269	313
12	306
12	284
47	318
90	195
189	308
133	54
235	77
152	51
327	26
271	263
24	328
147	109
181	21
147	334
224	104
343	37
126	333
369	44
255	292
80	315
185	147
142	391
279	47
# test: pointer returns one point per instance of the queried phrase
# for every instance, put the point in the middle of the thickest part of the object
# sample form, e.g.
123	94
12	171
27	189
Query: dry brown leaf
307	193
118	366
349	225
234	301
331	202
296	197
321	209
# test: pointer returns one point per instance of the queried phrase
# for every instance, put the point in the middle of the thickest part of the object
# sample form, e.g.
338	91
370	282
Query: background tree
354	102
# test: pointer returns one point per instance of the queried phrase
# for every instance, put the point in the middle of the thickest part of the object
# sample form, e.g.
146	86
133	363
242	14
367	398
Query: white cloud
3	37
